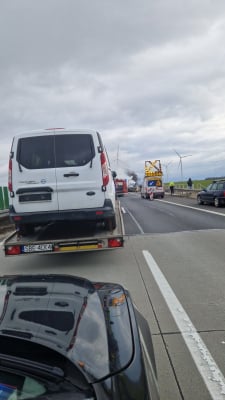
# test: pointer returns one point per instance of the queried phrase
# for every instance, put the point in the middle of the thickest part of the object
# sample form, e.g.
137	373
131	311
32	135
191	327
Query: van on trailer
60	175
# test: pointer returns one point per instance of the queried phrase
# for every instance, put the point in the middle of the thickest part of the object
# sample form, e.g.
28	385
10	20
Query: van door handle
71	174
90	193
61	304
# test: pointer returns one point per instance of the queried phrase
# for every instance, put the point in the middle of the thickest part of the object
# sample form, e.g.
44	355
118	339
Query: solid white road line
124	211
136	222
193	208
206	365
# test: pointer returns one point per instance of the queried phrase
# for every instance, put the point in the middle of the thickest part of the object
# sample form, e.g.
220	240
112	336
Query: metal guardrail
3	216
192	193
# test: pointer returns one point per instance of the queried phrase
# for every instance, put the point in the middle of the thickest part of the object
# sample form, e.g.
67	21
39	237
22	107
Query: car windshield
17	386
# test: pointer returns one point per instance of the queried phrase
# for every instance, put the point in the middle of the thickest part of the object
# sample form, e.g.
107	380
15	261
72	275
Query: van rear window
73	150
37	152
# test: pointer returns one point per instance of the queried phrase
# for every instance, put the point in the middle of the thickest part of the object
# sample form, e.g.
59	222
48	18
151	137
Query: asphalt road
171	214
173	265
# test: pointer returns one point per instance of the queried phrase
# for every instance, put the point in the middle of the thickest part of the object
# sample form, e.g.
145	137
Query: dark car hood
87	322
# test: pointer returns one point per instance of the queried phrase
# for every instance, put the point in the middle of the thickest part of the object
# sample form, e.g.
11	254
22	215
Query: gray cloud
149	75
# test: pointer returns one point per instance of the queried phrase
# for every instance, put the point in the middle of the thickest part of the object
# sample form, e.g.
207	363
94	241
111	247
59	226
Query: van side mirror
114	174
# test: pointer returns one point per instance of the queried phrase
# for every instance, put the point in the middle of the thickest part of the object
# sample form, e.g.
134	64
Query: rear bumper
158	195
87	214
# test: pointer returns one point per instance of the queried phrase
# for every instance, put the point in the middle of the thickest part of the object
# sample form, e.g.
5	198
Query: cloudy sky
148	74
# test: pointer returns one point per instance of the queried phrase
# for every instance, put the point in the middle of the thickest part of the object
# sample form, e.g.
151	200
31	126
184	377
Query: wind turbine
180	163
166	166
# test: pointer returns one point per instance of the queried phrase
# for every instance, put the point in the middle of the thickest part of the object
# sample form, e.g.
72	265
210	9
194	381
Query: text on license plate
32	248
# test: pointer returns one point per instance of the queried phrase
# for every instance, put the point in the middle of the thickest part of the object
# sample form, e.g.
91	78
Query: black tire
26	229
199	200
110	224
216	202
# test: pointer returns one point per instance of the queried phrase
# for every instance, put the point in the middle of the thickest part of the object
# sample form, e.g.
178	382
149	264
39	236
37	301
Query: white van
60	175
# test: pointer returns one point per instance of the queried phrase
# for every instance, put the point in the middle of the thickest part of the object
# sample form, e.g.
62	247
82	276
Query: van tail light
17	218
105	171
10	187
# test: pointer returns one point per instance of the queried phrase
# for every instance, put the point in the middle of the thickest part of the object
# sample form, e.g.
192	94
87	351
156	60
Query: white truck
67	237
152	186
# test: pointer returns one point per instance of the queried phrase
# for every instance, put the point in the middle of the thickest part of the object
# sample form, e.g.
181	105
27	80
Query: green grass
197	184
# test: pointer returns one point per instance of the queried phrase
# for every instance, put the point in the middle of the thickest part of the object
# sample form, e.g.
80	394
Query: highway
173	265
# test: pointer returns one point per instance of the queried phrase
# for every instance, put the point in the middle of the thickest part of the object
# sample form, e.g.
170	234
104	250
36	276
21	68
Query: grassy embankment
197	184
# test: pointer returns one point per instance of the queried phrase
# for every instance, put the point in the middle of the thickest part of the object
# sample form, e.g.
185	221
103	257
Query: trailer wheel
110	223
25	229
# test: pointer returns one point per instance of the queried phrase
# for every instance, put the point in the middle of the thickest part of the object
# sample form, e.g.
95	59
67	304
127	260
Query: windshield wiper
44	370
14	364
67	395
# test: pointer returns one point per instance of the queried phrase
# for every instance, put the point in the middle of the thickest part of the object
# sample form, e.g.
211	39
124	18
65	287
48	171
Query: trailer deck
67	237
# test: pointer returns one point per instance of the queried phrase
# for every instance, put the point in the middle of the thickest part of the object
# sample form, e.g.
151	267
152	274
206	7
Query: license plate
34	248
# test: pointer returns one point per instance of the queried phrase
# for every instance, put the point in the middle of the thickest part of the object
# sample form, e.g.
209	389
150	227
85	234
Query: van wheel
26	229
110	224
